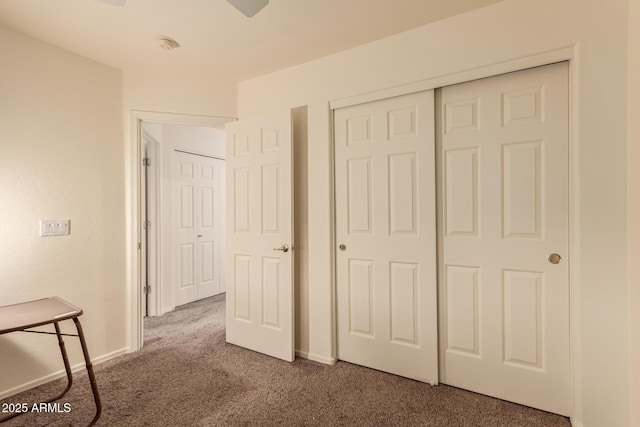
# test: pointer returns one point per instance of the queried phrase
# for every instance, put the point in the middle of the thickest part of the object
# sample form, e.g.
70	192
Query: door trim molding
209	156
153	212
571	54
134	179
544	58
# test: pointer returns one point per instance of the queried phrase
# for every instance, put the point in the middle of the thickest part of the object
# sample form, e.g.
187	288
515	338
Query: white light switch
54	227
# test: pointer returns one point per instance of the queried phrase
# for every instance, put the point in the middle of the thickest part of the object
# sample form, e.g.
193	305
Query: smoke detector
167	43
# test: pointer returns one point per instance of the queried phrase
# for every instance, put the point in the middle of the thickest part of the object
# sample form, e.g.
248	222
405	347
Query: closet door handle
284	248
554	258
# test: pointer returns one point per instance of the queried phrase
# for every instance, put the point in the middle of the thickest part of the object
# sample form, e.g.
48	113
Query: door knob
554	258
284	248
199	235
342	247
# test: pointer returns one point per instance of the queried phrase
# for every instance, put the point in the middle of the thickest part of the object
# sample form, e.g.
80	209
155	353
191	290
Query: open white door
259	255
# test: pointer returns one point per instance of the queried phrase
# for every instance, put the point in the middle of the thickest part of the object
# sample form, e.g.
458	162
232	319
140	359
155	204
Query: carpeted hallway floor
186	375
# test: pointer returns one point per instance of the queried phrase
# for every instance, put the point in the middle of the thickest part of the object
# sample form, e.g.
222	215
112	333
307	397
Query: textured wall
61	157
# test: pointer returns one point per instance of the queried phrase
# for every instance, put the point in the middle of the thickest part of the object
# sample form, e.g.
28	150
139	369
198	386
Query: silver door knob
284	248
342	247
554	258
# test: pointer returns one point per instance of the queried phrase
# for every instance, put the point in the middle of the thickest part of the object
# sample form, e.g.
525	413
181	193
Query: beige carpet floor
186	375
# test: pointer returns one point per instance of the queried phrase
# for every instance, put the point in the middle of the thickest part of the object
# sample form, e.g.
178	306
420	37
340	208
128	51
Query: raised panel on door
385	225
522	194
259	207
503	201
271	289
462	305
359	195
461	196
404	304
523	331
360	307
403	193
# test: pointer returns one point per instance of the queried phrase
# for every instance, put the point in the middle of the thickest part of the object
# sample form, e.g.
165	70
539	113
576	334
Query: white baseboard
59	374
316	358
302	354
575	423
167	310
323	359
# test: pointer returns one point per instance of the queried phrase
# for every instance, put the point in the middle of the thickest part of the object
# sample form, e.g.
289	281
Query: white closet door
197	233
503	199
386	231
259	236
209	206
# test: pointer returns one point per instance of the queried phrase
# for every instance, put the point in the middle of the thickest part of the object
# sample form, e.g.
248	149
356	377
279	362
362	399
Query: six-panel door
385	229
260	224
197	226
503	204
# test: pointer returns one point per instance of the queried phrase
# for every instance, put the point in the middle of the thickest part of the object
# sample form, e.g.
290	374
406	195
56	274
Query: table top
24	315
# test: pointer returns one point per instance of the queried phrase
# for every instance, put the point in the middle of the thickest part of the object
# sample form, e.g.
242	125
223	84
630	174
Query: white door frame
569	54
151	199
135	187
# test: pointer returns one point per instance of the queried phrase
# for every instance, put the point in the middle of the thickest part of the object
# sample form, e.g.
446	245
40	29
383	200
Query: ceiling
215	38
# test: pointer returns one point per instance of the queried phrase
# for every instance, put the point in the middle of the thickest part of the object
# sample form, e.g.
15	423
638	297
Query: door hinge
139	245
146	161
146	289
147	225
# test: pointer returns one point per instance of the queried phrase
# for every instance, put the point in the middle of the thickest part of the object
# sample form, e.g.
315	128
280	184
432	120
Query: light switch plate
54	227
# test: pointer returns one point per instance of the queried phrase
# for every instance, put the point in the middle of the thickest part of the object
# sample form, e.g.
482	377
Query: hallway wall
61	157
597	34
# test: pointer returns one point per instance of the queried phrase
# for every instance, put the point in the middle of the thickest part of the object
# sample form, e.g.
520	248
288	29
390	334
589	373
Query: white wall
301	229
62	129
190	92
61	157
502	32
633	170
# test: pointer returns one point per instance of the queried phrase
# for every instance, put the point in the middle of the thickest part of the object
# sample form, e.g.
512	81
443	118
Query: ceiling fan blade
249	7
113	2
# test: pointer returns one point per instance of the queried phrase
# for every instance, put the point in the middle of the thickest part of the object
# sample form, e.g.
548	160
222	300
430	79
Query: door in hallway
197	226
260	236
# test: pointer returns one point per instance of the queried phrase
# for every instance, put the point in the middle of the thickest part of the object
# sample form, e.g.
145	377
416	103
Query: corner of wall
633	211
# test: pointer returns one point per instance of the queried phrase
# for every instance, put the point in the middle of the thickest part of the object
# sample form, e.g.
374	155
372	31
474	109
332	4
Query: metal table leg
67	368
92	377
65	359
